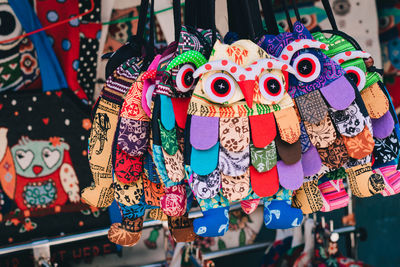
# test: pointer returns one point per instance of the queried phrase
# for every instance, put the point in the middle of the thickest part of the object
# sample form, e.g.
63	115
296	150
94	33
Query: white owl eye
271	87
184	78
24	158
307	67
357	76
220	87
50	158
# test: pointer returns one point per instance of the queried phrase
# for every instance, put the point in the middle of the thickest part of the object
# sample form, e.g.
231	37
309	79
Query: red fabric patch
127	169
264	184
180	106
263	129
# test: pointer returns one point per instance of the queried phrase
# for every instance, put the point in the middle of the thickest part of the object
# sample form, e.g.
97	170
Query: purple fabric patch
383	126
133	136
339	94
204	132
290	176
311	161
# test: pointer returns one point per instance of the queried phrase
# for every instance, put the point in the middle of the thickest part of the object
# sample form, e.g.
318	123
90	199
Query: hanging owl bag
359	66
174	86
43	154
313	86
105	121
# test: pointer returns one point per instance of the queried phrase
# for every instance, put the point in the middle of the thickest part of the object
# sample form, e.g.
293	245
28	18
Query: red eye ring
268	83
182	78
226	88
360	75
313	64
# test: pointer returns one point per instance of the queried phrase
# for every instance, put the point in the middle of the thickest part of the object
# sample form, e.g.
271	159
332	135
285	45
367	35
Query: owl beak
247	88
37	169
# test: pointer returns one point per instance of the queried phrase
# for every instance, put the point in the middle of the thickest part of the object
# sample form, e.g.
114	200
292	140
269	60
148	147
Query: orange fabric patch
288	124
375	101
361	145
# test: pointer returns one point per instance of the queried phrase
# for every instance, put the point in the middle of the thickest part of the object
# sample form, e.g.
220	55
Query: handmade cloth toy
105	121
174	86
323	109
233	136
359	66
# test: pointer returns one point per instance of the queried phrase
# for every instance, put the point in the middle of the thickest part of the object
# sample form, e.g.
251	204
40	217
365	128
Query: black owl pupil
221	86
188	78
304	20
273	86
7	23
353	77
305	67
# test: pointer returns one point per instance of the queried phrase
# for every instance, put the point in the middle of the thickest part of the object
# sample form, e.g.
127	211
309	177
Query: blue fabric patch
205	162
150	167
167	113
279	214
215	222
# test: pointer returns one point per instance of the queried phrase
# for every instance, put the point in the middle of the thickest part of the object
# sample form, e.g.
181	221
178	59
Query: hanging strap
329	13
288	18
190	13
251	33
212	22
177	18
256	18
296	10
269	17
150	45
144	6
52	75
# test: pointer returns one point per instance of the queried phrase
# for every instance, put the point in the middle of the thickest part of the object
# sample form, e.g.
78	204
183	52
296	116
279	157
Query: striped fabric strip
391	177
334	195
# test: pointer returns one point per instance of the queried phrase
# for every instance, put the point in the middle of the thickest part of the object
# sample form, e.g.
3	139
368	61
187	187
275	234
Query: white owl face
35	158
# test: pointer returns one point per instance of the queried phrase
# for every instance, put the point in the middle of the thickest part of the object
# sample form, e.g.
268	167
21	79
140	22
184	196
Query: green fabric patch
337	174
263	159
168	139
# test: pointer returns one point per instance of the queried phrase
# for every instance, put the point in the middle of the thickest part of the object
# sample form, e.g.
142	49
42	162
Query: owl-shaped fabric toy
336	128
244	133
38	173
105	121
359	66
174	87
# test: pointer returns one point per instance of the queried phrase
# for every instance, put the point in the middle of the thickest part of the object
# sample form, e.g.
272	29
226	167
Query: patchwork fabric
181	228
206	186
132	107
363	182
249	206
174	202
386	150
236	187
174	166
152	192
322	134
361	145
234	133
133	136
127	169
168	140
289	153
233	164
263	159
375	101
160	164
288	125
334	156
304	139
350	121
334	195
128	194
308	198
312	107
127	233
392	180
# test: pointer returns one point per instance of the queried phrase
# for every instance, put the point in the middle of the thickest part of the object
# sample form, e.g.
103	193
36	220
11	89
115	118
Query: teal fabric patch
205	162
159	162
167	113
168	139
